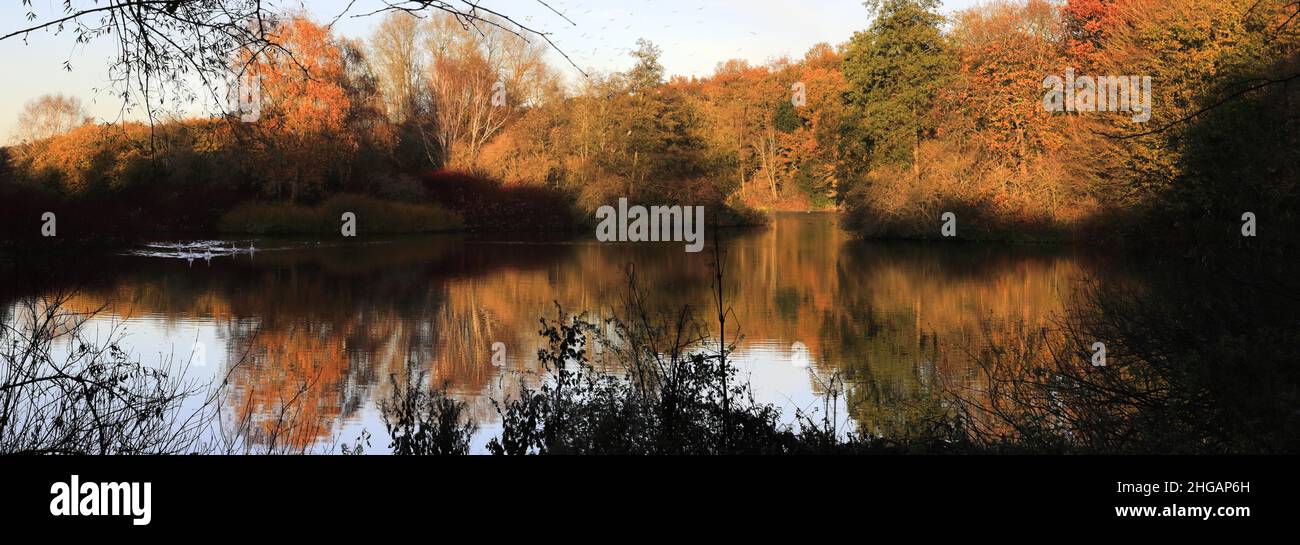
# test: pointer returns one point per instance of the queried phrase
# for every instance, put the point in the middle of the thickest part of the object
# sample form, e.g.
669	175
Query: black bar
335	495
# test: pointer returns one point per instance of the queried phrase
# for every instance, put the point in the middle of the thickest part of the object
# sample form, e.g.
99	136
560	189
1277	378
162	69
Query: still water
327	323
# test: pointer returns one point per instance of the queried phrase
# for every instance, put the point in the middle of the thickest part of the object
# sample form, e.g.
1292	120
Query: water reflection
323	325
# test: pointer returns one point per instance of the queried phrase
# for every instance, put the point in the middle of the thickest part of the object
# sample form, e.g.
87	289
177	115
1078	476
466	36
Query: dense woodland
916	115
427	126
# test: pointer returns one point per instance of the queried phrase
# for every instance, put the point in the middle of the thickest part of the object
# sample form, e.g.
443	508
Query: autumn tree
993	109
366	120
736	133
1004	50
592	136
743	105
1087	25
48	116
1219	68
161	48
658	146
566	143
648	72
479	79
734	118
665	152
305	106
769	99
398	57
894	71
816	142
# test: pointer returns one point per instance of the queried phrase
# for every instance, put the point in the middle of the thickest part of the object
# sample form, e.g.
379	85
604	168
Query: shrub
990	201
675	395
67	390
424	421
489	205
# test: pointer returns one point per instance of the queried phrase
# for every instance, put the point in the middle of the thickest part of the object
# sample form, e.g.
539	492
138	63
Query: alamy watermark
49	225
498	354
798	94
1098	354
653	224
1098	94
349	227
949	227
92	499
499	94
199	354
248	97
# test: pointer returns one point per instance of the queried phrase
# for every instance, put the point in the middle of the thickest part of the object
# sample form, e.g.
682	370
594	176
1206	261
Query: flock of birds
191	251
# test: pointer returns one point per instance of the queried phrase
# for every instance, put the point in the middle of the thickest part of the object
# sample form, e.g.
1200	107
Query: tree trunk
916	157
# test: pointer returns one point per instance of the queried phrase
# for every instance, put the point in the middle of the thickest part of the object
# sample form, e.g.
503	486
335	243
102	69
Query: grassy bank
373	216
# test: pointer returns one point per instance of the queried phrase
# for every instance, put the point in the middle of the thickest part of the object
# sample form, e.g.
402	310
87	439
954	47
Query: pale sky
694	37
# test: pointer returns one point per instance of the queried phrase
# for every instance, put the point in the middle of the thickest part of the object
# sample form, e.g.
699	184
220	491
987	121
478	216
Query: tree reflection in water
901	325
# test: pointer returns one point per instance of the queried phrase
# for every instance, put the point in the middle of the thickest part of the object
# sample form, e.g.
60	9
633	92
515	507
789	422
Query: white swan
800	357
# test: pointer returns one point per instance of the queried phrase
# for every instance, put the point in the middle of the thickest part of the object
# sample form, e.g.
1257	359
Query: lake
325	323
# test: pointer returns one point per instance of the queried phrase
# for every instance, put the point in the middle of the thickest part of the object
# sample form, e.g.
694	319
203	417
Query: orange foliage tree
304	109
1005	51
